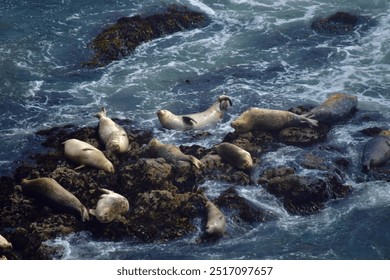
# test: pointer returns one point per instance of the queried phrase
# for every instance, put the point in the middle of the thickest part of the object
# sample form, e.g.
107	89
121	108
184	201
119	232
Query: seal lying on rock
334	109
171	153
48	190
112	135
216	221
109	206
86	155
267	119
204	119
4	244
235	155
376	152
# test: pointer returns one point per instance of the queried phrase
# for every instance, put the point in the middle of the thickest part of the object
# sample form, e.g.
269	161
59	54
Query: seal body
4	244
235	155
51	192
86	155
205	119
268	119
171	153
216	221
334	109
111	134
109	206
376	152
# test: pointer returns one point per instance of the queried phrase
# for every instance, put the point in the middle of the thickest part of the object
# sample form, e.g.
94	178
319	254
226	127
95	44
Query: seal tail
84	214
309	121
102	113
196	162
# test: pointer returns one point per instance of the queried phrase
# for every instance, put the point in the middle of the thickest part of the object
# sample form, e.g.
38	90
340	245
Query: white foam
202	6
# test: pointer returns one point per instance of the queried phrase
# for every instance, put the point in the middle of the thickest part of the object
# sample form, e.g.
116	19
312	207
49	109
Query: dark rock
340	23
243	209
302	136
303	195
121	39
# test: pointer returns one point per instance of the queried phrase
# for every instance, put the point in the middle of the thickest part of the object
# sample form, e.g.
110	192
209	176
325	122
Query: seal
50	191
205	119
111	134
109	206
86	155
171	153
267	119
4	244
216	221
376	151
334	109
235	155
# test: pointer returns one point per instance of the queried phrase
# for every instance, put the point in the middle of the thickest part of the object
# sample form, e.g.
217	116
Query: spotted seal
235	155
86	155
205	119
171	153
216	221
109	206
376	151
334	109
50	191
112	135
268	119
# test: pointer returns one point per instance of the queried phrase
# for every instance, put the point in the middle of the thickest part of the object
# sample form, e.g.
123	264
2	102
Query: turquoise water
261	53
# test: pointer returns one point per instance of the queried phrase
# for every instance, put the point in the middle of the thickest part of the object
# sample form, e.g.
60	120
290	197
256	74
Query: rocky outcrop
120	39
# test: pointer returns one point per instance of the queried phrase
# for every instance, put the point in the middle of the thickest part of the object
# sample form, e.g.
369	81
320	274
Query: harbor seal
376	152
267	119
336	108
109	206
51	192
113	136
205	119
216	221
171	153
235	155
86	155
4	244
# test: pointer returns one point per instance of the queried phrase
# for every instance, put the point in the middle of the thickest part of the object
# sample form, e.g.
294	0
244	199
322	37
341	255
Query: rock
301	136
121	39
243	210
303	195
340	23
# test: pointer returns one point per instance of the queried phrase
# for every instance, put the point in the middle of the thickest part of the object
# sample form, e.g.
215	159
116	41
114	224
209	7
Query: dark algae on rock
120	39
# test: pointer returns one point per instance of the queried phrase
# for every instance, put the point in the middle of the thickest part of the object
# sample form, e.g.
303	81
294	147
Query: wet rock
243	210
301	136
304	195
120	39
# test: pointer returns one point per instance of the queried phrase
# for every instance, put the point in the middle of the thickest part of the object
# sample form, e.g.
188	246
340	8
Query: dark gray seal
51	192
376	152
334	109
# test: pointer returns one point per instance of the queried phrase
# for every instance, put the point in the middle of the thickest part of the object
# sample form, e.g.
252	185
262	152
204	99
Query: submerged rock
121	39
303	195
340	23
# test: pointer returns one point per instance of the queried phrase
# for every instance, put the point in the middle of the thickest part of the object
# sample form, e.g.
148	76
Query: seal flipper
92	212
188	120
79	167
309	121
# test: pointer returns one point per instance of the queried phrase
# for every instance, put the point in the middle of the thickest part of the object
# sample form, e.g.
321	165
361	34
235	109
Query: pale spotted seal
171	153
4	244
267	119
334	109
376	151
112	135
109	206
234	155
50	191
86	155
216	221
205	119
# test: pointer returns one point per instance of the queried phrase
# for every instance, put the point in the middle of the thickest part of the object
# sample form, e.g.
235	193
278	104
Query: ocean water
261	53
